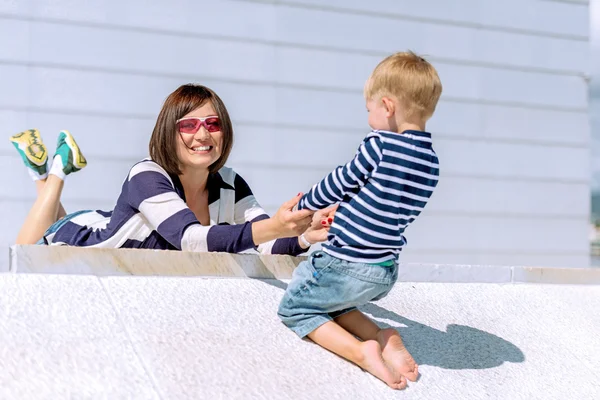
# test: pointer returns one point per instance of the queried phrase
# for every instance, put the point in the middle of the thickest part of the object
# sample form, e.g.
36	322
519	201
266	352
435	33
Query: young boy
380	192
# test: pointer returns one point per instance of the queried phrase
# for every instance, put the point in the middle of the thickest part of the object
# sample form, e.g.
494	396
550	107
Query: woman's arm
250	234
150	190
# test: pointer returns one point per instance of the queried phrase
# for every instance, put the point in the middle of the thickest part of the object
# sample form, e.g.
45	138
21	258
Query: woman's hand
292	223
319	227
285	223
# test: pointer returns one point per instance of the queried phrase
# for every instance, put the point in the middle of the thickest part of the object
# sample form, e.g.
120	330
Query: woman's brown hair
187	98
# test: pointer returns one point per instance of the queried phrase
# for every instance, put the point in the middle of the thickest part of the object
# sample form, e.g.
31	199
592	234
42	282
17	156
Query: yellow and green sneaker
30	146
68	157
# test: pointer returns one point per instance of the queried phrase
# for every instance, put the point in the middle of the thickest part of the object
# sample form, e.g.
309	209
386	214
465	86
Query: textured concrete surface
62	338
109	262
69	336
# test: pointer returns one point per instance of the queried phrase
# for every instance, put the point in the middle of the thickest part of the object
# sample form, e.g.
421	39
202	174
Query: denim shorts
58	224
324	287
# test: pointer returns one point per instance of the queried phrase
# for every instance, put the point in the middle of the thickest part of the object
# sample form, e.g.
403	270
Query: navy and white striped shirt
151	213
381	191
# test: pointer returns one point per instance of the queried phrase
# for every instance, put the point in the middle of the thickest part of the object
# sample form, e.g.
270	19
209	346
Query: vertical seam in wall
135	351
10	258
29	71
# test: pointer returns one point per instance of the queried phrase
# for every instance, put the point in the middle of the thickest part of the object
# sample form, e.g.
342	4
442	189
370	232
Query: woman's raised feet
68	157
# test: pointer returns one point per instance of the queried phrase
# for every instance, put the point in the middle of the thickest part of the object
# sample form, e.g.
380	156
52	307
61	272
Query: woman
181	198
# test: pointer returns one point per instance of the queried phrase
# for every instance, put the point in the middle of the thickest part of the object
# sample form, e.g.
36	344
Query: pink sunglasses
191	125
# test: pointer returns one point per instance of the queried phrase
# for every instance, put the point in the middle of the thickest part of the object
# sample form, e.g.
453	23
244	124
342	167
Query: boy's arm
344	179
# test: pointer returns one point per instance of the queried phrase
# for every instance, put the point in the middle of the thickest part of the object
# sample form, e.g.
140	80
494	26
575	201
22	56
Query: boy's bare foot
372	362
396	355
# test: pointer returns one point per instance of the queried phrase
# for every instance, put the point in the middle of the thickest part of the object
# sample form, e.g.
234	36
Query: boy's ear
389	105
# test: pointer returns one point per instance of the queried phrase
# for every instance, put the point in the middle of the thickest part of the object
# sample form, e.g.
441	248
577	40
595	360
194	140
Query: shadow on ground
459	347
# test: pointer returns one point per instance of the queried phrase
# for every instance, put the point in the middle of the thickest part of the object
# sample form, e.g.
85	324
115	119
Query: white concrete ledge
108	262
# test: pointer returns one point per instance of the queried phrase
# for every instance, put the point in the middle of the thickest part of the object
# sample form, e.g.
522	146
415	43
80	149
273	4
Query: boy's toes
399	383
412	374
402	384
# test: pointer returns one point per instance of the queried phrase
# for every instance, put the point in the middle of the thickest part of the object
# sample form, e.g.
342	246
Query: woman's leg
39	187
43	213
47	208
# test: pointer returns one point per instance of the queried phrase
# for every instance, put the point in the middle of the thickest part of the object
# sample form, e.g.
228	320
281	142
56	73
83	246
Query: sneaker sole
25	141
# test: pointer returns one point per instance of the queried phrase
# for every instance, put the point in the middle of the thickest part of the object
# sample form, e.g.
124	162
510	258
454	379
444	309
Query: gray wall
595	101
511	129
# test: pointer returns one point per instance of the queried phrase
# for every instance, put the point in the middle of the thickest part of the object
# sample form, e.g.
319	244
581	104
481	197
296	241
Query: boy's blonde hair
410	79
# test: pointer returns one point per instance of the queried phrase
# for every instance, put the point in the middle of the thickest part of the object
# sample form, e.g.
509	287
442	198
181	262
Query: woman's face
199	138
